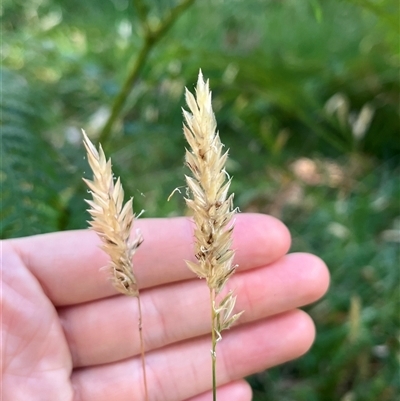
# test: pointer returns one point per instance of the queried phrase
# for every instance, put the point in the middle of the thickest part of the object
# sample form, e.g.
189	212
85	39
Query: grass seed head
212	206
209	185
112	220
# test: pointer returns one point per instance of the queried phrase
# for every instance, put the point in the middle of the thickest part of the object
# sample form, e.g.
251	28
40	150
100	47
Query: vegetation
306	94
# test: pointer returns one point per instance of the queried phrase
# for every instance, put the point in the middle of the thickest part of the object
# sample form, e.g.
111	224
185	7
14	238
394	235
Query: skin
68	336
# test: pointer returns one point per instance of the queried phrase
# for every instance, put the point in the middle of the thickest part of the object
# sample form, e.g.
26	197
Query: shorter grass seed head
112	220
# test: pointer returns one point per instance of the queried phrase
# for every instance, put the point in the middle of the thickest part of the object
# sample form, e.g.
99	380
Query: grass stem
142	351
214	345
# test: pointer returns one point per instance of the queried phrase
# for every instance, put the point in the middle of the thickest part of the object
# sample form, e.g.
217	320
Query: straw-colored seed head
112	220
212	207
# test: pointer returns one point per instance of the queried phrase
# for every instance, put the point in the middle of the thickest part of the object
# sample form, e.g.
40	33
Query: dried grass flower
212	208
112	220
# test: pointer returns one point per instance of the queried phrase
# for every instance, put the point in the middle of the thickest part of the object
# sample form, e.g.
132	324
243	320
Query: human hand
68	336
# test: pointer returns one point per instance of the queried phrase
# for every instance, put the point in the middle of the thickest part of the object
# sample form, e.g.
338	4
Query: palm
68	336
36	354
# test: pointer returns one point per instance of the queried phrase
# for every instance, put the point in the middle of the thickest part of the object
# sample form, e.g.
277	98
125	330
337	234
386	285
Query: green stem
214	345
142	12
122	96
151	37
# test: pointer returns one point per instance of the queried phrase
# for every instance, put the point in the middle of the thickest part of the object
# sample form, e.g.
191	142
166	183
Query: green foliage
355	355
356	234
30	174
291	79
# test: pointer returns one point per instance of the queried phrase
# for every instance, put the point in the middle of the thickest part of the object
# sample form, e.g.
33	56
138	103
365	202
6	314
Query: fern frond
29	185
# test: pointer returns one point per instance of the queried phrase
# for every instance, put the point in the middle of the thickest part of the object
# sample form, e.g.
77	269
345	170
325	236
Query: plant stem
214	345
124	92
142	352
151	37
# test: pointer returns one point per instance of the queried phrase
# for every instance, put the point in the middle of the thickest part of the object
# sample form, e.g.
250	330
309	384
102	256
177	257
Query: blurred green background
306	95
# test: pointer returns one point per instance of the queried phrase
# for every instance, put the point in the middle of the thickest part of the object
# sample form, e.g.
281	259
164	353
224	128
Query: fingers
106	330
236	391
182	370
68	264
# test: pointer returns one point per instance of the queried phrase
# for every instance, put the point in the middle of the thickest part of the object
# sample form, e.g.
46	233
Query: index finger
68	264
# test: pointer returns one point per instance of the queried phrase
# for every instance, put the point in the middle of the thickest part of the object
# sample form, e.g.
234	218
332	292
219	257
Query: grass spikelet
113	221
212	209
